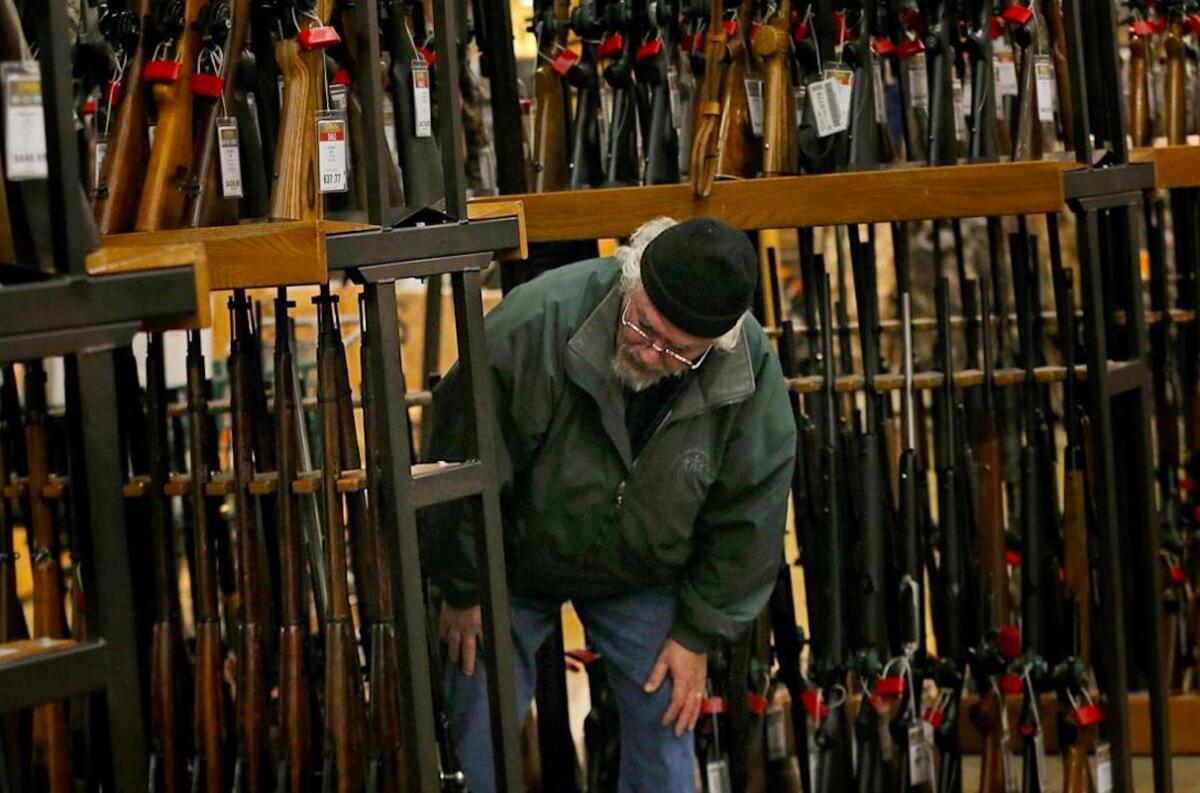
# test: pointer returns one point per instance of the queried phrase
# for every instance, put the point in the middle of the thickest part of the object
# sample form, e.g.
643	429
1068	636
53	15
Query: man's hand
462	630
689	672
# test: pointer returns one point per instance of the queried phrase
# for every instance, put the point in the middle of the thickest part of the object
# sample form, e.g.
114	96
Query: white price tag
1102	768
422	104
776	734
24	123
716	773
960	114
844	84
389	127
880	95
230	157
1006	74
331	152
754	102
826	107
1043	69
918	81
98	162
920	754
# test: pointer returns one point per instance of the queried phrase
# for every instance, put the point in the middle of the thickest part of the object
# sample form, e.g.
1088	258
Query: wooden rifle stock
125	163
343	743
15	728
706	140
169	669
1052	13
551	129
386	728
1175	85
1139	95
295	191
51	744
161	204
738	155
1027	145
297	766
224	28
771	43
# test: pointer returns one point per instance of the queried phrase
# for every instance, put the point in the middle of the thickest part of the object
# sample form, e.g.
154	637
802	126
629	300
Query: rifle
738	154
259	77
982	118
815	53
587	155
551	126
1140	127
223	26
169	669
51	743
951	570
1175	81
914	80
941	39
209	773
705	152
296	768
419	154
865	126
15	728
622	28
770	42
659	136
254	585
1056	28
827	594
126	147
295	192
169	71
343	731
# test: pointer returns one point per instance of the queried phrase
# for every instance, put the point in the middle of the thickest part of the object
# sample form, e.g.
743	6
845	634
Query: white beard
631	373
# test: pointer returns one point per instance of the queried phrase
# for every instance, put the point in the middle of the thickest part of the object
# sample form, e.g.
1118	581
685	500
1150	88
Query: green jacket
701	508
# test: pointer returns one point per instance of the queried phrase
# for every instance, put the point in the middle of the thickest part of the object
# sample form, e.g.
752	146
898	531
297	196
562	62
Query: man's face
637	363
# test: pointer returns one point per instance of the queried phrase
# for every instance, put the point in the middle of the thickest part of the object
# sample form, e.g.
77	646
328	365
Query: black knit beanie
701	275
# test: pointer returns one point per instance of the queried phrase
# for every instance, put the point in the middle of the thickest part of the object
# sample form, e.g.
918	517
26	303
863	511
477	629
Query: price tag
331	152
1102	768
918	81
1005	67
389	127
230	157
799	100
754	101
338	97
844	85
920	754
717	774
1039	754
960	114
24	123
98	162
422	107
824	99
1043	69
776	734
880	96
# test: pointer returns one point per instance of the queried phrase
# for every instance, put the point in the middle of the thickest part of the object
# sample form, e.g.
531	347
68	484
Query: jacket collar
725	377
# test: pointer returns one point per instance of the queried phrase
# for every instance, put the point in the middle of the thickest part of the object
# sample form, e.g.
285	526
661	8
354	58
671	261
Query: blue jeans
628	632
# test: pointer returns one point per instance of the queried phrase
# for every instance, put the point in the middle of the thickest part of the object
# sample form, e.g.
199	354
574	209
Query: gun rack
1174	166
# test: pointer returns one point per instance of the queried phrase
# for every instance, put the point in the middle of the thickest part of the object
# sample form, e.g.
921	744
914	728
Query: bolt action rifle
15	728
551	126
622	34
259	76
866	128
256	620
1033	132
815	53
209	771
1056	29
169	71
738	153
296	768
222	26
660	36
51	743
705	151
941	40
169	672
295	191
769	41
1141	34
587	154
419	153
913	77
342	767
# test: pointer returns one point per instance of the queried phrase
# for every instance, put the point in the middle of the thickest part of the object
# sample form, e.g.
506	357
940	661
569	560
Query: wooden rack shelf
930	380
1174	166
876	196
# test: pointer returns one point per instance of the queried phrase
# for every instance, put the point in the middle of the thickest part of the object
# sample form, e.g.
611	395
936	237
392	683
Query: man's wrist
690	638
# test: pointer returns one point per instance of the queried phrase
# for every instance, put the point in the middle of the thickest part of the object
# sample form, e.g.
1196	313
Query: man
646	455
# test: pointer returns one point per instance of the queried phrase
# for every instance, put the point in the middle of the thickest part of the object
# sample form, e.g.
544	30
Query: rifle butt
295	705
165	704
209	710
1077	772
550	164
385	709
343	719
294	192
987	718
52	748
253	708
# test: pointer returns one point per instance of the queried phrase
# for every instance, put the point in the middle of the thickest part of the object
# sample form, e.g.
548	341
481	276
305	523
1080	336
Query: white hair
630	257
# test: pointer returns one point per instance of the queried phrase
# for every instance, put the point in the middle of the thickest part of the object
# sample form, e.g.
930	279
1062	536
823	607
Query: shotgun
587	151
551	125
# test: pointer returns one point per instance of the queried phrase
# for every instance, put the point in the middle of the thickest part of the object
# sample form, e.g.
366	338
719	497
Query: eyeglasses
660	348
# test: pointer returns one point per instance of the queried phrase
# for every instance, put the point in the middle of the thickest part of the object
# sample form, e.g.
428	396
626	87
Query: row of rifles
284	675
206	112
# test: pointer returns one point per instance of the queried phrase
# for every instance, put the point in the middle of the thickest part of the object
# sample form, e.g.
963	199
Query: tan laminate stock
1175	86
1052	12
1139	99
737	153
703	165
771	43
161	205
1028	143
128	145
